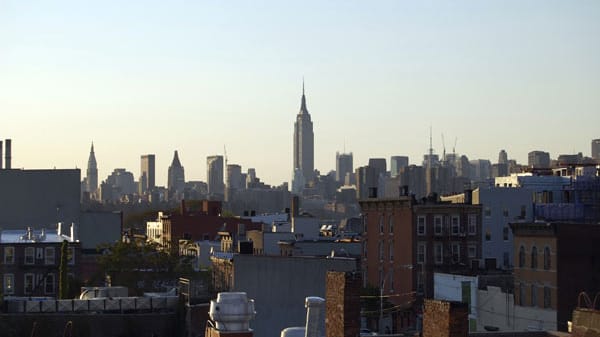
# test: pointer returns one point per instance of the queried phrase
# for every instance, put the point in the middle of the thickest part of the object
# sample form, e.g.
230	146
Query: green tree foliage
63	278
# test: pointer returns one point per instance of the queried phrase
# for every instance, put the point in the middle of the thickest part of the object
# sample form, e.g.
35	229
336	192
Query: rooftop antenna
454	147
225	152
429	160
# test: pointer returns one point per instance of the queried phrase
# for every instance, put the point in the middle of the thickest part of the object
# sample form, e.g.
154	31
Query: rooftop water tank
232	311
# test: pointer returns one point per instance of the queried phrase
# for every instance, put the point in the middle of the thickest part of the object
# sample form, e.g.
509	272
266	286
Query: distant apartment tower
304	152
502	157
343	166
214	177
396	163
92	173
538	159
147	175
596	149
176	178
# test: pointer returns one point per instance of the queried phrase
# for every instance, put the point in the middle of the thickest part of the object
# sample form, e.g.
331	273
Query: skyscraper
233	181
304	152
147	173
176	178
92	172
214	177
596	149
343	166
538	159
396	163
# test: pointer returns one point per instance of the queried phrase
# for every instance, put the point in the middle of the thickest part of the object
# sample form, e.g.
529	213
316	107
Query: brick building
406	241
554	262
205	224
31	259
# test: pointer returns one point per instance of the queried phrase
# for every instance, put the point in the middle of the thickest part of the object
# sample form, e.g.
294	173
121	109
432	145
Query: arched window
521	257
547	259
534	261
391	224
381	217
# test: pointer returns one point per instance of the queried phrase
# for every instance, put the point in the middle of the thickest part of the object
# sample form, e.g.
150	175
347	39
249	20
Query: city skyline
500	75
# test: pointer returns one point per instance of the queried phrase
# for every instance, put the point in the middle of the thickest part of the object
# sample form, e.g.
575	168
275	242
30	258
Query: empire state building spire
303	144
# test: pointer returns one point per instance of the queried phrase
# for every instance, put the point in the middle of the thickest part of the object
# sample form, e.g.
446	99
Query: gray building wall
39	198
501	206
279	286
96	228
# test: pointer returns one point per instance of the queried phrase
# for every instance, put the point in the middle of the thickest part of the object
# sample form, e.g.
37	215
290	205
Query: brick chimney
342	304
445	319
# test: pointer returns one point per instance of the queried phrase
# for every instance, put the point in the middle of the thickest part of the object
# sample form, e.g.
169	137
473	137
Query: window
29	255
521	257
439	253
534	258
391	281
421	225
28	283
547	259
391	224
437	225
391	248
455	252
455	224
381	250
9	255
547	297
487	212
472	251
364	223
505	233
523	211
365	250
472	224
39	253
533	295
49	255
488	234
506	258
49	284
9	284
421	253
381	224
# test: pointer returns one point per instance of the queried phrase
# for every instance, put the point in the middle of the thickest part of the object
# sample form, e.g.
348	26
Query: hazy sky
142	77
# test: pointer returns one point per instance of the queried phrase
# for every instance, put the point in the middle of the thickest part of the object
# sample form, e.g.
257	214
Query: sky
138	77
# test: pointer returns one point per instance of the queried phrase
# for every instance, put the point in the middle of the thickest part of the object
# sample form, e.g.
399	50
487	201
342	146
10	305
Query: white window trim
49	256
25	290
424	246
437	225
12	259
424	232
455	226
474	248
26	255
11	290
472	224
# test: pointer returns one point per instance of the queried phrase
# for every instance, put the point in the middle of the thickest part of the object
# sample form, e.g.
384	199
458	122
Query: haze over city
141	77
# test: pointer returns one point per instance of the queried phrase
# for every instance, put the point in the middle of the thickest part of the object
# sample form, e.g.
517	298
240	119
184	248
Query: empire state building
304	149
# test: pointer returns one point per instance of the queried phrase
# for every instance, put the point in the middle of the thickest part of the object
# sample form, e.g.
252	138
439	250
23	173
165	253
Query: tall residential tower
304	152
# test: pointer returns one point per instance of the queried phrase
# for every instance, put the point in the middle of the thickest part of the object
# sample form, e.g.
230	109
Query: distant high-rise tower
304	151
92	172
538	159
147	171
396	163
343	166
502	157
214	177
233	181
596	149
176	178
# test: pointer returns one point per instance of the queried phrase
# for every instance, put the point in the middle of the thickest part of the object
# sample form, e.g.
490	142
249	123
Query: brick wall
445	319
342	304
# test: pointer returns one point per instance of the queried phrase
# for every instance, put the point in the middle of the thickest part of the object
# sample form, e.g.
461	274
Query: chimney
445	319
342	304
8	154
1	154
468	196
314	316
73	232
59	229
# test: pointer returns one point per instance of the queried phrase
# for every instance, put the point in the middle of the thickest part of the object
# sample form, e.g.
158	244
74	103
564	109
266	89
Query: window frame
534	258
391	224
26	290
455	251
50	276
472	248
438	253
547	258
421	255
455	224
10	260
49	256
421	225
472	224
8	287
29	253
438	225
522	257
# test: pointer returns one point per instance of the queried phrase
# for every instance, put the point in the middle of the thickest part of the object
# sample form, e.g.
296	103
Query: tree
63	278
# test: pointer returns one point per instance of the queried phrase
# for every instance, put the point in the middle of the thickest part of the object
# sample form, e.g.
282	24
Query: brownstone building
405	241
554	262
31	259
